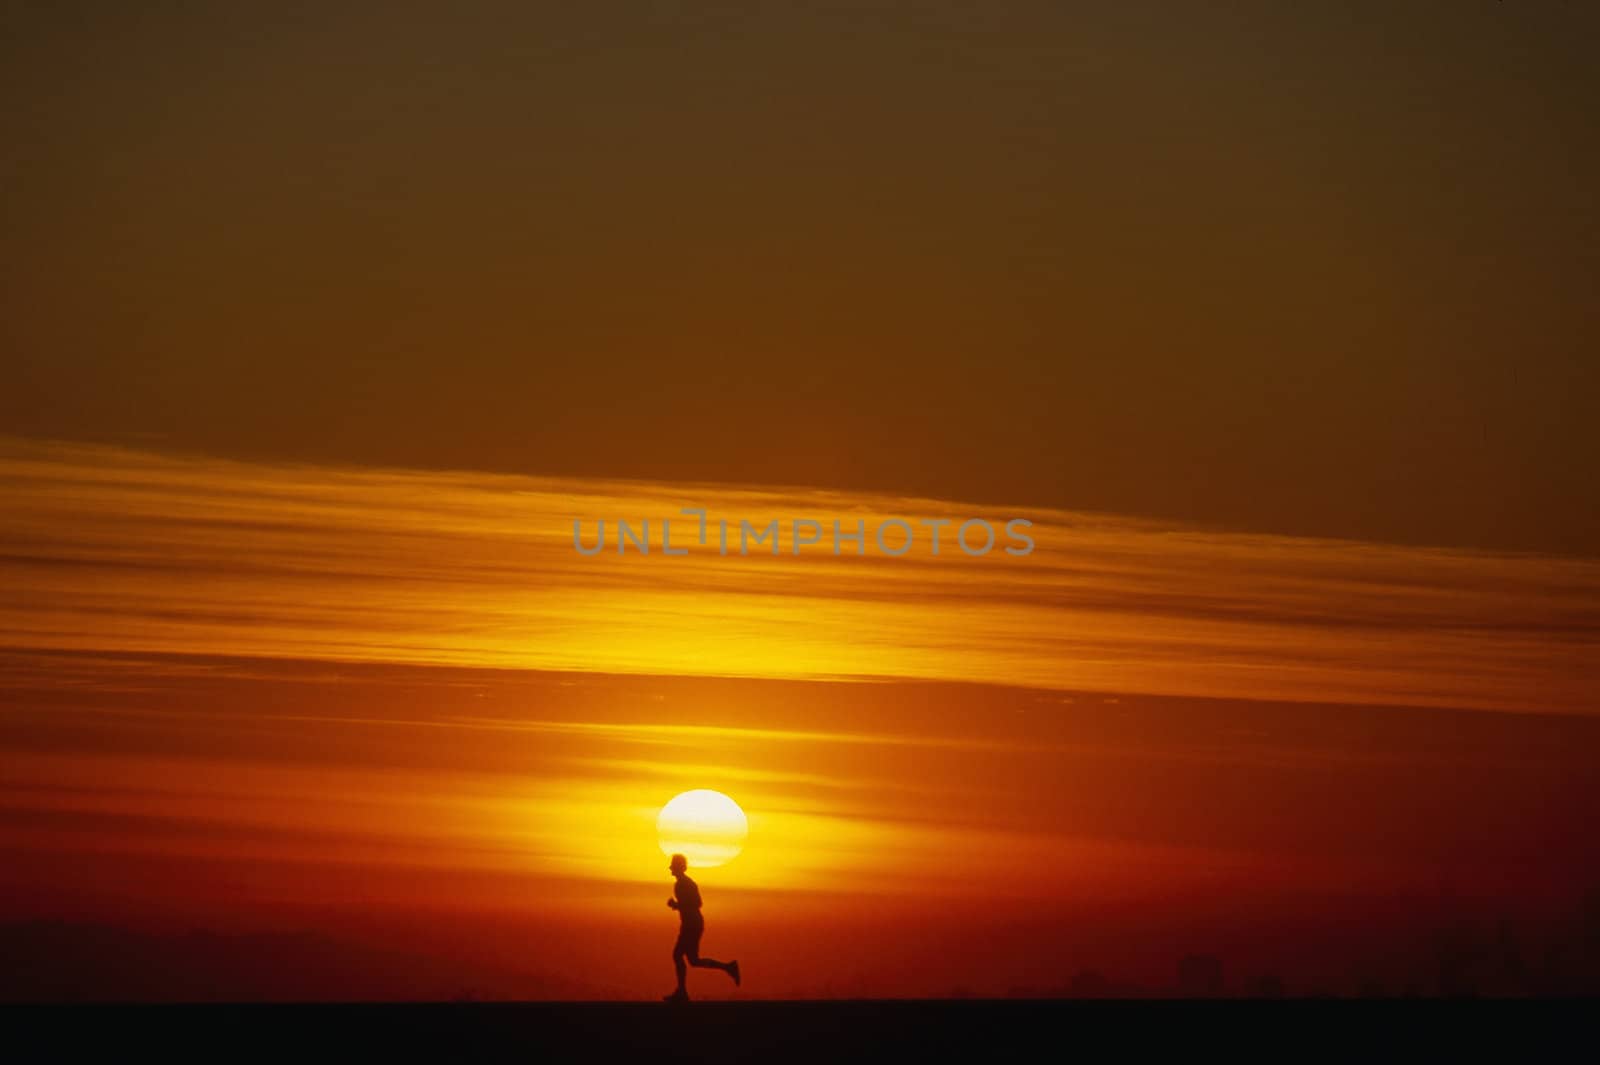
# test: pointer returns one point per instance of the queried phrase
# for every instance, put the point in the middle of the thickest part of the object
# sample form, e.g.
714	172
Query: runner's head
678	865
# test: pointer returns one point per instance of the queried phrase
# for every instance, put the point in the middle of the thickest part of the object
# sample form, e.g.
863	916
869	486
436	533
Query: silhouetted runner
691	926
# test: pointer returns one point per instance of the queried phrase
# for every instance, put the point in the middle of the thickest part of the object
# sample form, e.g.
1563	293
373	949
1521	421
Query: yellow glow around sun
704	826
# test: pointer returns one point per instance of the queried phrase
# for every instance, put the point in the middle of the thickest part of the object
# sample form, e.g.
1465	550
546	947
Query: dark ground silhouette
769	1032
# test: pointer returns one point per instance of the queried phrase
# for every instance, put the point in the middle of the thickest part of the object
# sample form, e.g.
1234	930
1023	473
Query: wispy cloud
108	549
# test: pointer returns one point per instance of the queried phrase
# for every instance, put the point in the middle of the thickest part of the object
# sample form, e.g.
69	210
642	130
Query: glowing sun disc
704	826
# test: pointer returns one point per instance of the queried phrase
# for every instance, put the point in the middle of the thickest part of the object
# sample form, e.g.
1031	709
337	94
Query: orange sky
387	704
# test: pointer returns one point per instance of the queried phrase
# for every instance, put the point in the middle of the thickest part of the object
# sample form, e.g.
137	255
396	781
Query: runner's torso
688	896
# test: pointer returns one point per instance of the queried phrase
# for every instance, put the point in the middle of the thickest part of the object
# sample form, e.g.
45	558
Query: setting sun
704	826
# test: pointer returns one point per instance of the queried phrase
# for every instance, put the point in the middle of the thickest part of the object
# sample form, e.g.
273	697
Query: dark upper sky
1283	267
